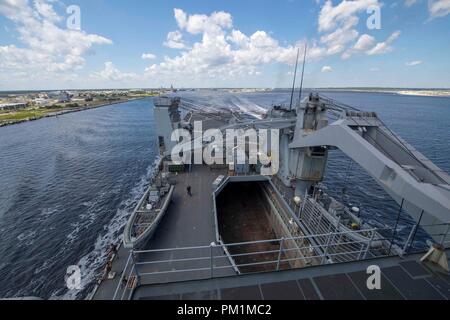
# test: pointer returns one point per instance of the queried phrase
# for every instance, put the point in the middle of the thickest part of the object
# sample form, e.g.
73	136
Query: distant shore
426	93
65	111
408	92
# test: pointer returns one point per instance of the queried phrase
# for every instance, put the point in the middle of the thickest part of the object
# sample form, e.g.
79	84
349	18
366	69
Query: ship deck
190	222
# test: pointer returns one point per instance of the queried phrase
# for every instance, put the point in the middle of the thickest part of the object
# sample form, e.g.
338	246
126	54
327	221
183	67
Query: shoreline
62	112
405	92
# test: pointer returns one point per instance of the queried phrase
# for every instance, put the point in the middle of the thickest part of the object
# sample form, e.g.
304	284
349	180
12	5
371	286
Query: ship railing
440	232
147	267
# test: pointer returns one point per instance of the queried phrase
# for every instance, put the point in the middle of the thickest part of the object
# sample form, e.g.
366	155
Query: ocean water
68	184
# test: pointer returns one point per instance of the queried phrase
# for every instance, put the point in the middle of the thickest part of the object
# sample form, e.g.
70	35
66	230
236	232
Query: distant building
13	106
64	97
42	102
60	96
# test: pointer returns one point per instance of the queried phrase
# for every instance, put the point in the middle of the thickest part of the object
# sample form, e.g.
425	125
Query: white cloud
409	3
331	16
413	63
211	47
222	52
438	8
384	47
339	24
180	17
364	43
175	40
238	38
46	10
225	52
200	23
337	41
111	73
45	46
327	69
367	44
148	56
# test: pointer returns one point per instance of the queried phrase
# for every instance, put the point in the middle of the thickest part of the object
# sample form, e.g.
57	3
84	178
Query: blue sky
223	43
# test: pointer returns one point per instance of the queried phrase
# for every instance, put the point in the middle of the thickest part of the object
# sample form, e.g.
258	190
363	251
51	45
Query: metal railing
437	233
205	262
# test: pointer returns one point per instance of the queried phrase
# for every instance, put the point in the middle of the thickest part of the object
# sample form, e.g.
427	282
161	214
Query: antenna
303	73
295	76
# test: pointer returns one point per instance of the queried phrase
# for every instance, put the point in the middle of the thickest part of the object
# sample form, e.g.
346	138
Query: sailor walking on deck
188	189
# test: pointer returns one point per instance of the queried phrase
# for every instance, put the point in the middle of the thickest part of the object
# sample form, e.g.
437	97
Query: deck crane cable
303	75
295	76
346	107
347	178
390	134
407	149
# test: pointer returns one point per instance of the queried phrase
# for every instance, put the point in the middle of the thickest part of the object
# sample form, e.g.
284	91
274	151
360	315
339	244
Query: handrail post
369	245
211	260
122	277
326	248
445	235
395	228
412	235
413	230
279	253
303	205
134	265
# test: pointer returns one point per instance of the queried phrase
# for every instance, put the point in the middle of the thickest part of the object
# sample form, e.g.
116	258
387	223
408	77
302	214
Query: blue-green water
68	184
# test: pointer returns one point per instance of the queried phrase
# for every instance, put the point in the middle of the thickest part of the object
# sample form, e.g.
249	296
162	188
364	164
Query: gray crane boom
404	173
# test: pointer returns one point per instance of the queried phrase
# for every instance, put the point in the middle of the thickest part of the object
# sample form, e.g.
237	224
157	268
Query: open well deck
243	217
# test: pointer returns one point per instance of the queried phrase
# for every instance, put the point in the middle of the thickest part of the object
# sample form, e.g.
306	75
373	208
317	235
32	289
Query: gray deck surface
402	279
188	223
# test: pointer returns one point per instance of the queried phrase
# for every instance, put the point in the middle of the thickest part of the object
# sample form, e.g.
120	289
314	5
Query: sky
46	44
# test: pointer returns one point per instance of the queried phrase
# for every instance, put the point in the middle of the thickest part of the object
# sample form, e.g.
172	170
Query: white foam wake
92	263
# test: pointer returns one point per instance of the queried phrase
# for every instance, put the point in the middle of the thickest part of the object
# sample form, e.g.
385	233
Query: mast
303	73
295	76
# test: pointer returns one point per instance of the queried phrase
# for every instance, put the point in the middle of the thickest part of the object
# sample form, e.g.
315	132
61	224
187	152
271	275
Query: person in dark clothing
188	189
113	251
124	282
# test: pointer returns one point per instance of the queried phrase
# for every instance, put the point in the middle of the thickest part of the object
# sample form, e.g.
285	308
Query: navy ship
269	230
